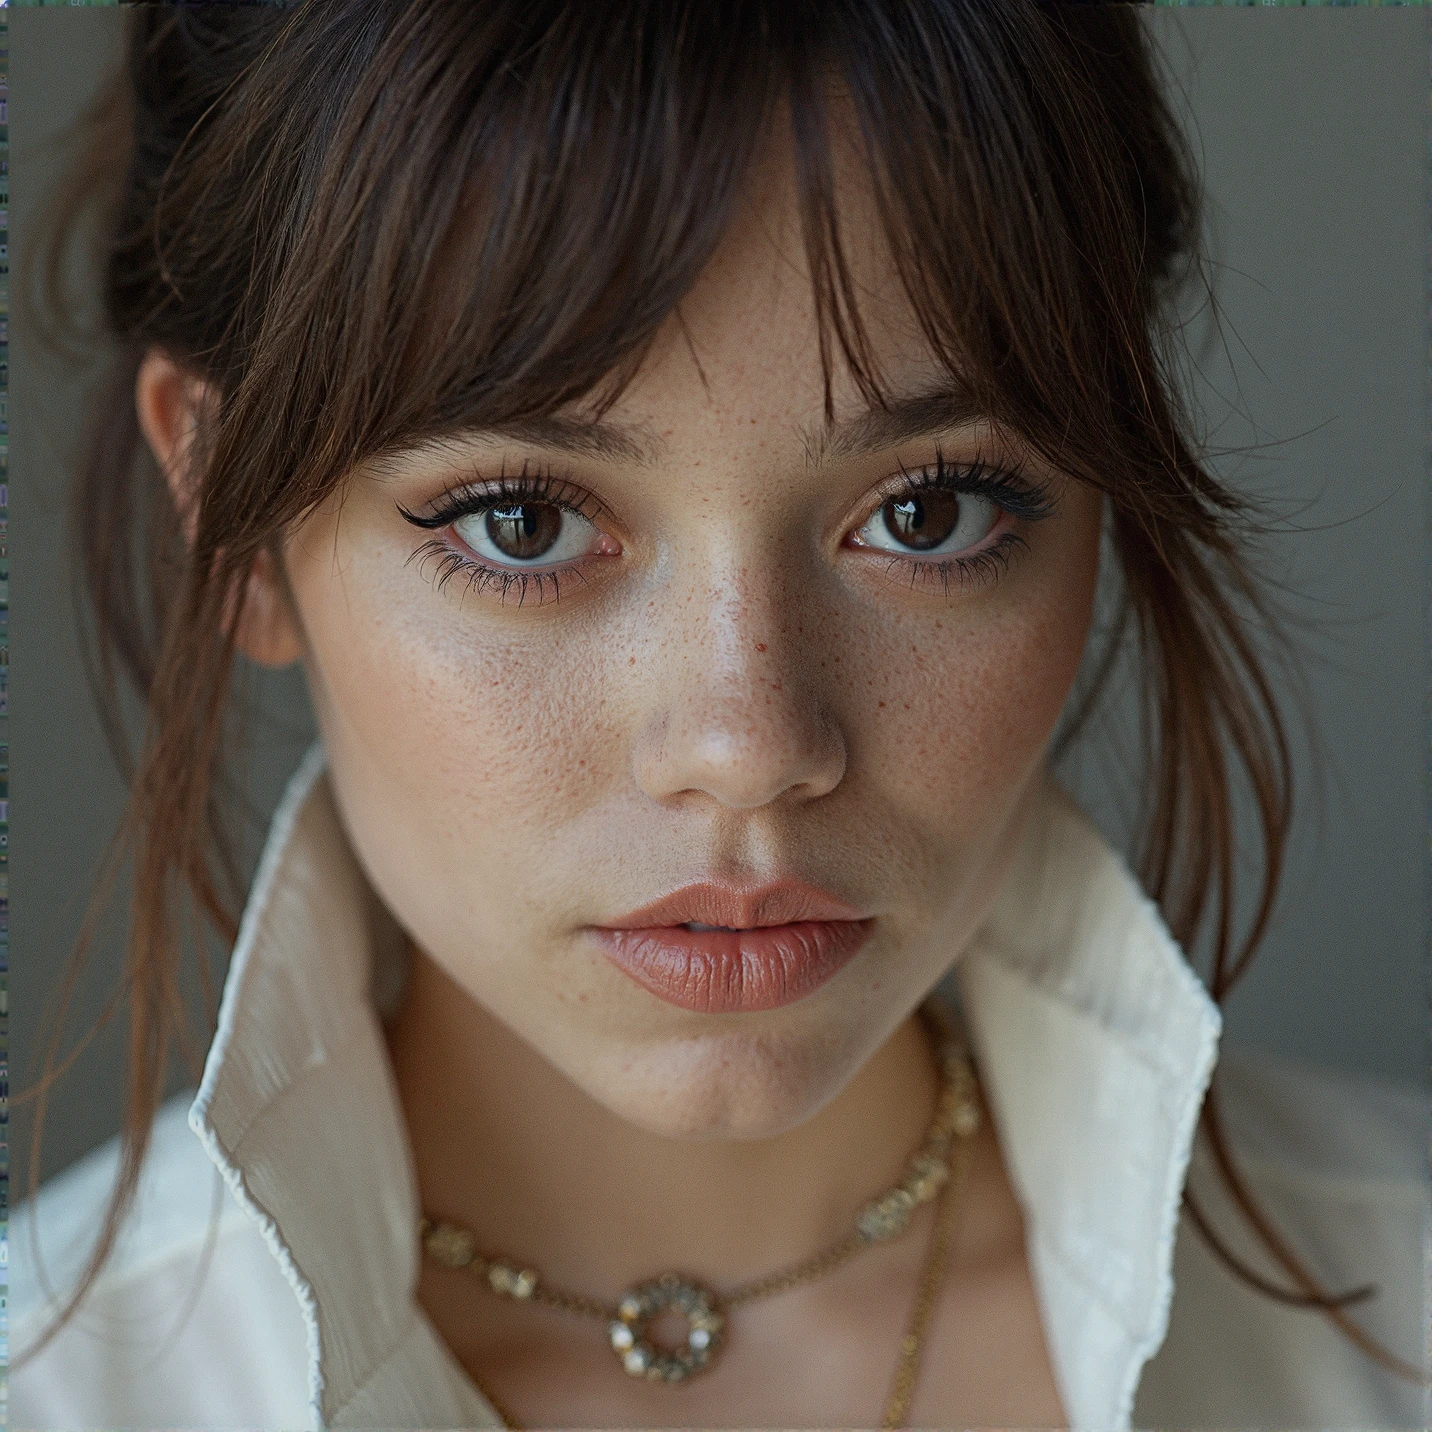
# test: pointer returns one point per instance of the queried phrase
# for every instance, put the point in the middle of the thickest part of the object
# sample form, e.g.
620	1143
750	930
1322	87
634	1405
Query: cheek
971	697
456	754
482	730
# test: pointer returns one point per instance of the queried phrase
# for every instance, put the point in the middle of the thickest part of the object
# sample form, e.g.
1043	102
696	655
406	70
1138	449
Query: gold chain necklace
940	1164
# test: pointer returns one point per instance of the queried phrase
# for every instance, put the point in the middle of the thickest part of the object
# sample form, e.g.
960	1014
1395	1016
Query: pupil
922	522
525	530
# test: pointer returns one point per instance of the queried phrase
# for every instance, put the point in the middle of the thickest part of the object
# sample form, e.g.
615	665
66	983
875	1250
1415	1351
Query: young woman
677	442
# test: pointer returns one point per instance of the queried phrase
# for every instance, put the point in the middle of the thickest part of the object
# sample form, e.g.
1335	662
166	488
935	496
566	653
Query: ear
168	400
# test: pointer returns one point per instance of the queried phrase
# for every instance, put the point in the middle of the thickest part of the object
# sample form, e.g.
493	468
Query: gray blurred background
1311	127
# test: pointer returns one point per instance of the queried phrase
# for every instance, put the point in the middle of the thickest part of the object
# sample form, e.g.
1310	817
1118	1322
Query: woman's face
745	651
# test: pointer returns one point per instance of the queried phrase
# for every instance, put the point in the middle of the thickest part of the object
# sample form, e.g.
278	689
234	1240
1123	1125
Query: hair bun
183	58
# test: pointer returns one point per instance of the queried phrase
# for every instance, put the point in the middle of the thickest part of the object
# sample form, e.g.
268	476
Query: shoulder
190	1321
175	1203
1338	1163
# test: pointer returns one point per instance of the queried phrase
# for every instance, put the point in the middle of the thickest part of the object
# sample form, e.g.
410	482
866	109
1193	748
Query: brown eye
931	520
526	531
922	520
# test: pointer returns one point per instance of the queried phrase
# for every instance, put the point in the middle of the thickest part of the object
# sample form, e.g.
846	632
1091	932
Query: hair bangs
513	200
510	201
1033	254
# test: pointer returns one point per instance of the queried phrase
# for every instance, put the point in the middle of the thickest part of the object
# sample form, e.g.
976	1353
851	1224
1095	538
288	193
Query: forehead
739	361
744	344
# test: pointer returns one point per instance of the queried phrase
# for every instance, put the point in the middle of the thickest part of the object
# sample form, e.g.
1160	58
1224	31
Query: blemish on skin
631	661
882	703
760	646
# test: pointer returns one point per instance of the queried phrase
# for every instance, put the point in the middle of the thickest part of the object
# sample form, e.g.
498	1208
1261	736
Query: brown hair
368	223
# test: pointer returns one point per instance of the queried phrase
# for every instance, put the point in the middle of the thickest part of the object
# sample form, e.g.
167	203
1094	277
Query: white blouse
287	1181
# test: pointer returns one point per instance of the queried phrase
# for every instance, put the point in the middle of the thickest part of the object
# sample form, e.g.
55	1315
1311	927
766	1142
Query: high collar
1093	1038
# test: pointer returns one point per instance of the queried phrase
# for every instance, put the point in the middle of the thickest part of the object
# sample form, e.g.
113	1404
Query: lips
783	902
760	948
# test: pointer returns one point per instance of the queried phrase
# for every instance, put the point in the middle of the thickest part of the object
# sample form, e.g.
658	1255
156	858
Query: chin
732	1085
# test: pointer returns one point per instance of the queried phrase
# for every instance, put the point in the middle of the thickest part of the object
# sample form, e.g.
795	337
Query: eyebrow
582	437
901	419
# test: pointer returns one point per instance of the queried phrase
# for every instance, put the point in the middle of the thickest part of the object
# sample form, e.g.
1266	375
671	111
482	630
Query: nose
735	709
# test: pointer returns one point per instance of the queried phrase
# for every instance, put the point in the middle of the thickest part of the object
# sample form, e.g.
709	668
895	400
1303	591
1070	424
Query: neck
542	1174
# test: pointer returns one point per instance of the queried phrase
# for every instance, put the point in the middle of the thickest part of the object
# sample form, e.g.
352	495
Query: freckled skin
740	693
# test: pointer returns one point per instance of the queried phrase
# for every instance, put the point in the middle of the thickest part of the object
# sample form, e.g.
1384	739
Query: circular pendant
637	1308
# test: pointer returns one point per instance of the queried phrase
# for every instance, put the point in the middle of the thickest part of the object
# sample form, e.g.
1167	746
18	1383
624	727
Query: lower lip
734	971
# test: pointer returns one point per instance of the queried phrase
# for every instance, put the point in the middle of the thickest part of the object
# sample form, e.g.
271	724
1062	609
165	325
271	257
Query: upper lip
781	902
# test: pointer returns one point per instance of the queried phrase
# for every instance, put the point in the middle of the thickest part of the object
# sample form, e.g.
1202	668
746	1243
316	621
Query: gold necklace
940	1164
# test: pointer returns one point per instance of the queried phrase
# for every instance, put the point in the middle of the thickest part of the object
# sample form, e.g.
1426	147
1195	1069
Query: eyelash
525	486
1010	489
